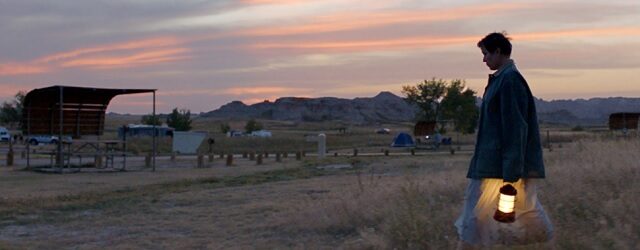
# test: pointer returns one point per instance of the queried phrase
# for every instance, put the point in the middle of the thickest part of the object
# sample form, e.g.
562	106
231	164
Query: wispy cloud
22	69
364	45
159	42
595	32
137	59
361	20
273	1
133	53
263	90
430	41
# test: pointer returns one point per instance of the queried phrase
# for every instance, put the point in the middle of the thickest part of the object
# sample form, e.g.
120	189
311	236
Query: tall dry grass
590	193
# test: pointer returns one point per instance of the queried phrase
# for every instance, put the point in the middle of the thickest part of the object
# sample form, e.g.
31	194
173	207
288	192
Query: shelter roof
83	109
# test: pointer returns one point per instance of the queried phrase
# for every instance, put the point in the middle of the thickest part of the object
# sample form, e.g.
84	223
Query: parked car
5	136
46	139
234	133
383	131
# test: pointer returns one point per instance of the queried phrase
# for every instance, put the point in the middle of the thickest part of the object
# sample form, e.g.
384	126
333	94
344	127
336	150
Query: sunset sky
202	54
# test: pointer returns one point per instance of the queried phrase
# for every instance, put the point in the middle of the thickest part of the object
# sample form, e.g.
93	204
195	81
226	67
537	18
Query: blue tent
403	140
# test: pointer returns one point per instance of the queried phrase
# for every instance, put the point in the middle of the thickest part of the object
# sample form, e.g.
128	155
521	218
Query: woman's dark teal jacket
508	144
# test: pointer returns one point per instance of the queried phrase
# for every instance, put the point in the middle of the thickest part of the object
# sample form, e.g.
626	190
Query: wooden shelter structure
71	111
424	128
623	120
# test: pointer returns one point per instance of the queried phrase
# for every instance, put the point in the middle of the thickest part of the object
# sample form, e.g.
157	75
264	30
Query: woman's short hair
496	40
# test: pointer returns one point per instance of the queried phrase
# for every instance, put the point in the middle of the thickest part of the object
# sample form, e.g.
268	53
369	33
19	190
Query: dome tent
403	140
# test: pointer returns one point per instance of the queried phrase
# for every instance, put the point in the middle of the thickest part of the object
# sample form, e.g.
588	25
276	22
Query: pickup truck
46	139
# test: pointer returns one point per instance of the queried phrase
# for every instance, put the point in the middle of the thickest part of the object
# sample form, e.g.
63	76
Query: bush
252	125
577	128
180	120
224	128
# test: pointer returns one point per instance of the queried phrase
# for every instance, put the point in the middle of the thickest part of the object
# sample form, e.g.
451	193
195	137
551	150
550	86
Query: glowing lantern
506	204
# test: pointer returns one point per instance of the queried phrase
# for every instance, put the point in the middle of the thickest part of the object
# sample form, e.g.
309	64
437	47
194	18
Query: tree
439	100
459	106
180	120
151	120
252	125
11	112
224	127
427	96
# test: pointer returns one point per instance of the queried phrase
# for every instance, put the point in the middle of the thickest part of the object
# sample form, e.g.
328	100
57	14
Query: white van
261	133
4	134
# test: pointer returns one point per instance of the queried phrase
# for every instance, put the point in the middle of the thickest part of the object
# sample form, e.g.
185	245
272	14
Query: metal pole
28	136
124	146
154	131
60	104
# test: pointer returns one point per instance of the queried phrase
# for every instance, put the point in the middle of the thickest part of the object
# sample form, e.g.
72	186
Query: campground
368	201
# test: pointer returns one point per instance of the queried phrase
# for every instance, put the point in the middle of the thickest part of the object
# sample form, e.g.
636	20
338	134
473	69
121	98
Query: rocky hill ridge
388	107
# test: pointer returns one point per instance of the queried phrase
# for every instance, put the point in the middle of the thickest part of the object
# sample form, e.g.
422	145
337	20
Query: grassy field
364	202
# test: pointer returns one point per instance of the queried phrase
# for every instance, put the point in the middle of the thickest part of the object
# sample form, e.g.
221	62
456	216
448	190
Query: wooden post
304	153
452	150
355	152
322	145
386	152
211	156
10	153
259	159
285	155
10	158
221	155
266	154
548	140
97	162
244	155
147	160
252	156
278	159
211	141
413	151
229	159
200	161
299	156
335	154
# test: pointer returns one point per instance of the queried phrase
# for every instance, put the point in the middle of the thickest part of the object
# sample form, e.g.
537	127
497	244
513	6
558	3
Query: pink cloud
273	1
130	45
431	41
133	53
22	69
263	90
352	21
137	59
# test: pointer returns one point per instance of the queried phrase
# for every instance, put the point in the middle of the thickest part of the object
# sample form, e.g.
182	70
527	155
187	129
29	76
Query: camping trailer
139	130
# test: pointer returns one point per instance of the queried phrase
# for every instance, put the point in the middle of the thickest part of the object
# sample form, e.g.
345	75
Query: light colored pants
476	225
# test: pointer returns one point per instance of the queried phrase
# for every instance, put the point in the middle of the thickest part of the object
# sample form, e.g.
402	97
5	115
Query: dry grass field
345	202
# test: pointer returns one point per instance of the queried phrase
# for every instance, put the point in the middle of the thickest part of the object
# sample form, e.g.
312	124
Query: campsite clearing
370	201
